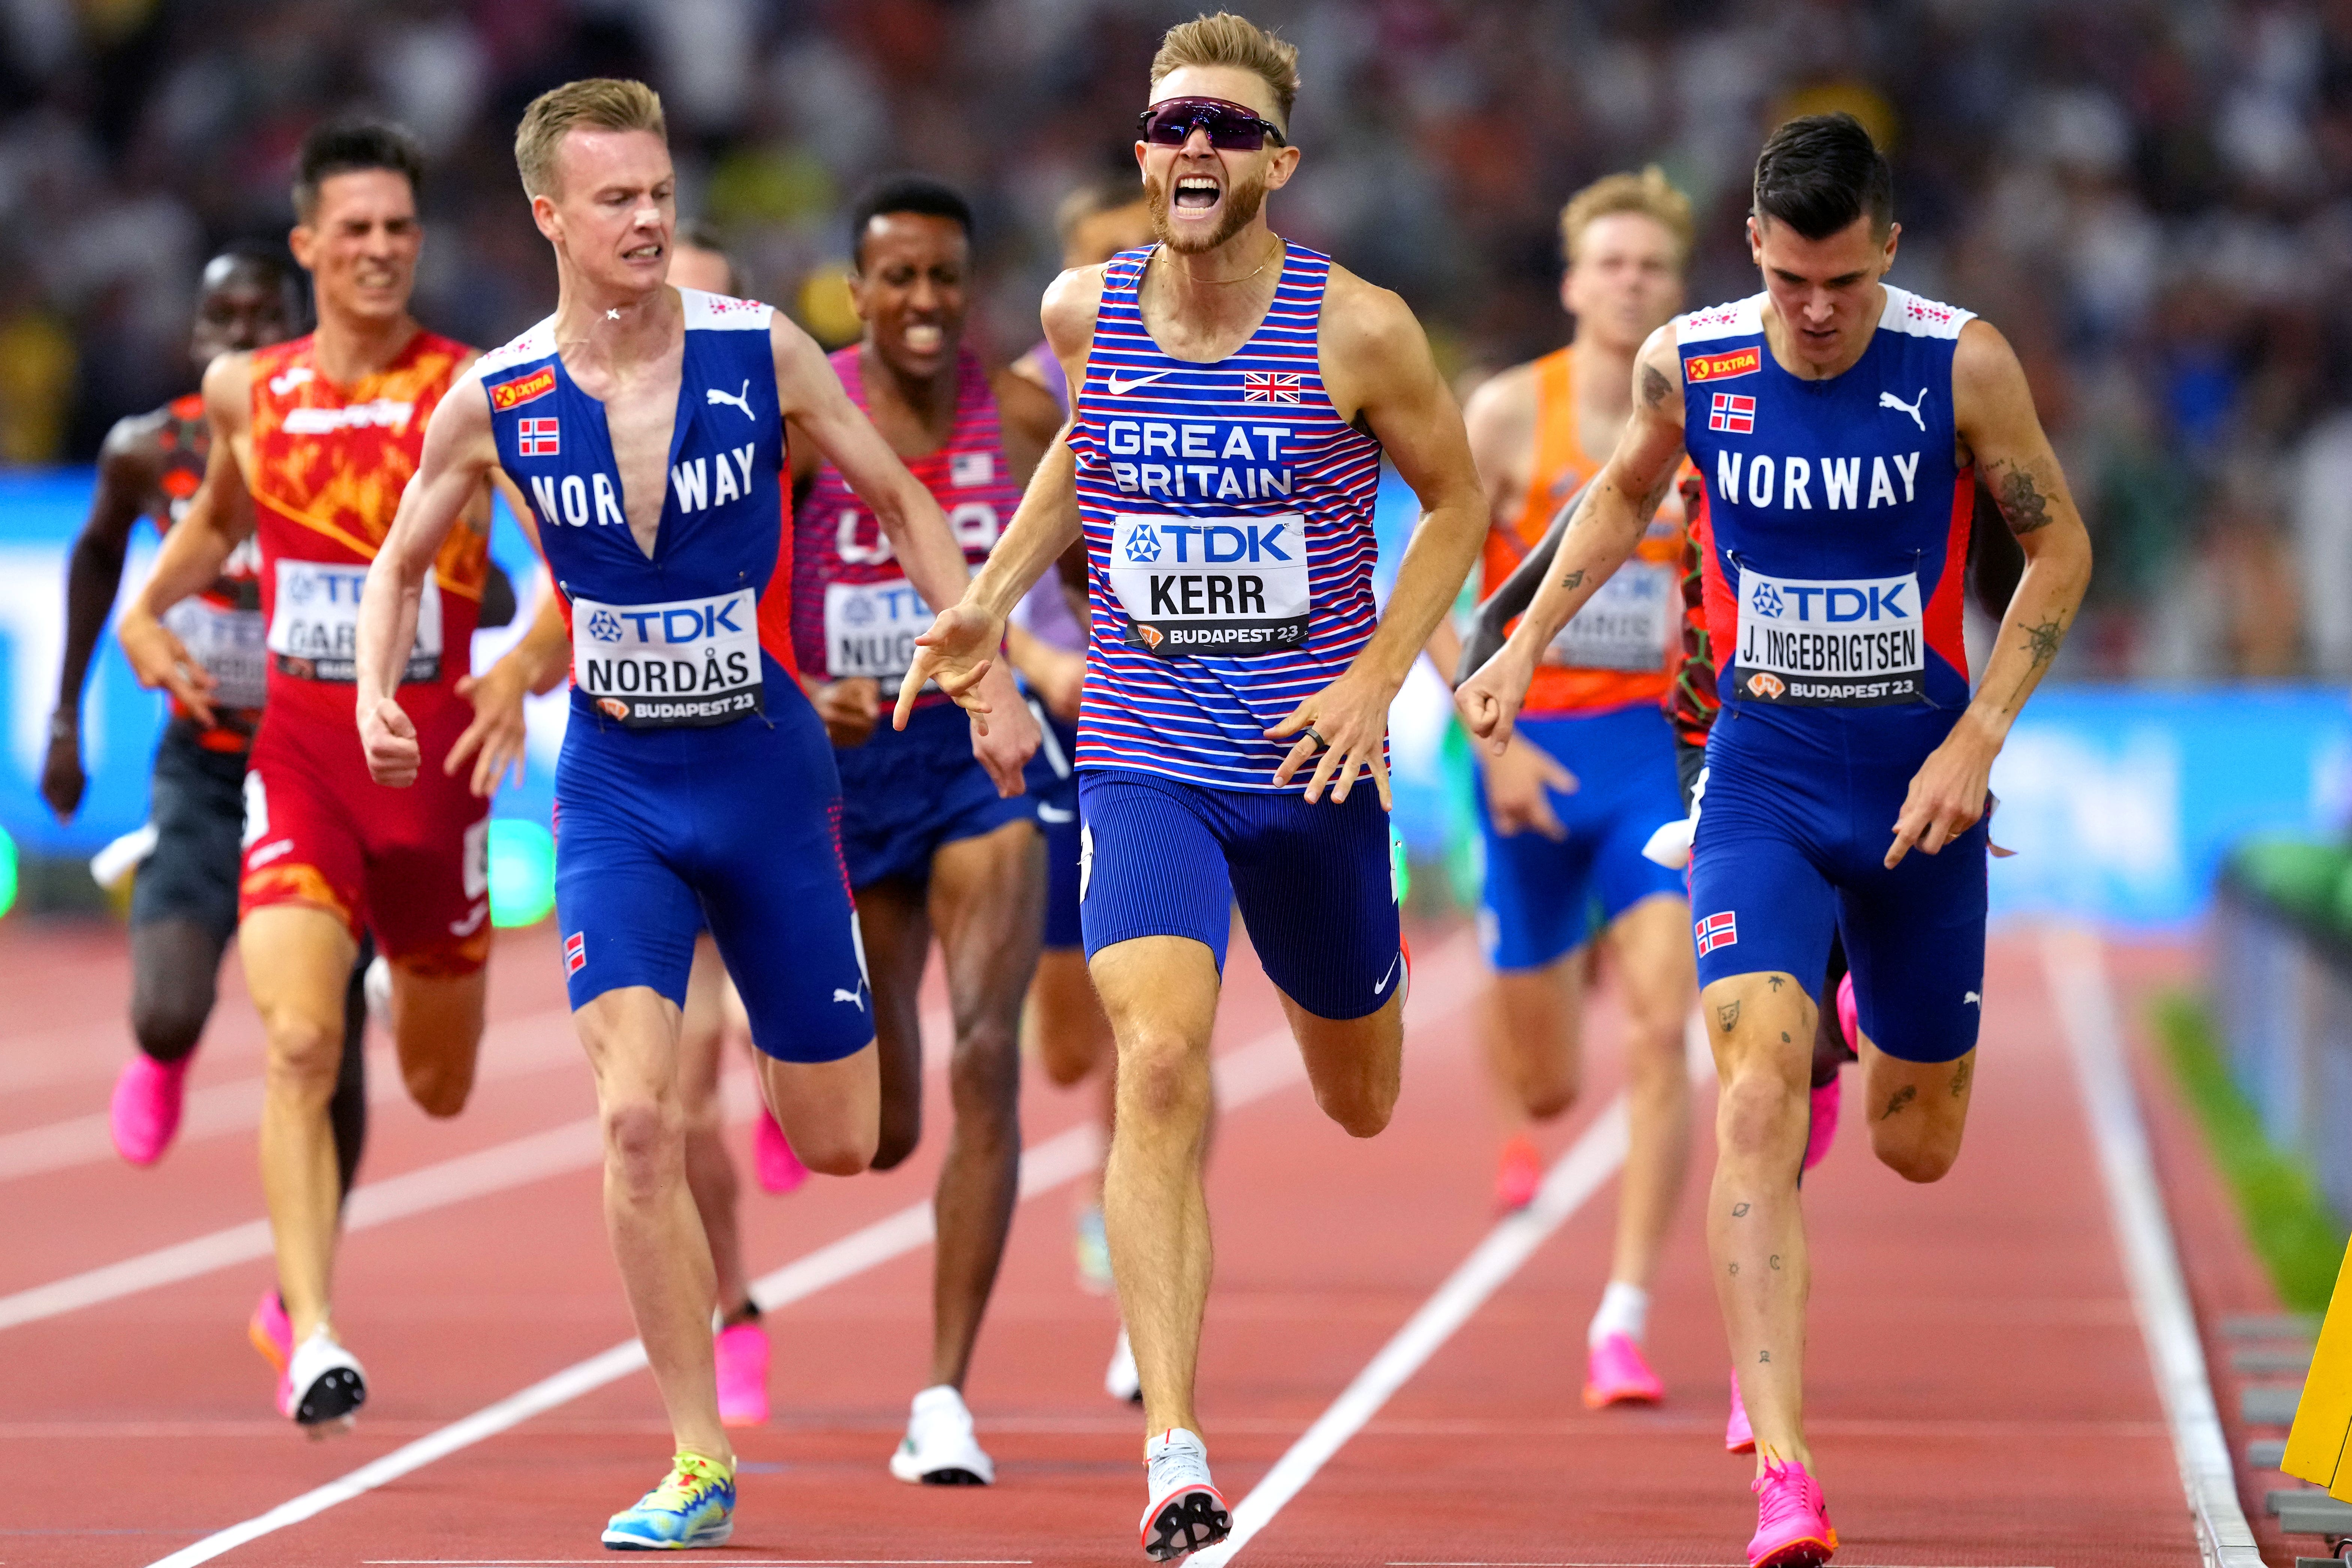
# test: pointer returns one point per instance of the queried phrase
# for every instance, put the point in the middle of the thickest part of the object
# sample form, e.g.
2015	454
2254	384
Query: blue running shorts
1057	819
905	792
1545	897
1316	883
662	831
1792	839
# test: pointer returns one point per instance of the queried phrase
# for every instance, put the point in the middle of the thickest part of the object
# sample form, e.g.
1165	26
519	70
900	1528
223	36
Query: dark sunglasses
1232	127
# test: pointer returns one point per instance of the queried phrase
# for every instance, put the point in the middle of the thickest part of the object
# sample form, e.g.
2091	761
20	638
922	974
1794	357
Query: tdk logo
1834	604
671	624
1205	543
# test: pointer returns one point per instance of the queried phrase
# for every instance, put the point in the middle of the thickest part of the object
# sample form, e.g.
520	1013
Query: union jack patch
1732	412
539	438
1269	386
575	953
1716	931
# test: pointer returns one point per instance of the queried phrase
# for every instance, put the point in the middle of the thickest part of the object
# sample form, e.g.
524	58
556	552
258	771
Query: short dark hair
1820	173
344	147
701	233
904	194
273	265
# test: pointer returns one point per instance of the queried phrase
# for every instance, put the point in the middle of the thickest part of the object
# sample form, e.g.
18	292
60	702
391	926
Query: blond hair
1649	193
598	103
1225	39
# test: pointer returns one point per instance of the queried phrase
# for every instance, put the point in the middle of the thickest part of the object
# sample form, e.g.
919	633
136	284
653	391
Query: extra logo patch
539	438
1269	386
1731	413
1723	367
514	393
1716	931
575	953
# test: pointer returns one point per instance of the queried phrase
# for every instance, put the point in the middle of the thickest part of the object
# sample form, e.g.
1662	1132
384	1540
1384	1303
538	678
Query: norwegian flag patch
1733	413
575	953
1269	386
539	438
1716	931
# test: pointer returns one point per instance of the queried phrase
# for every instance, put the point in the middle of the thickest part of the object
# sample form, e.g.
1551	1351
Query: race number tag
687	662
1855	642
314	626
231	644
1628	624
871	629
1223	587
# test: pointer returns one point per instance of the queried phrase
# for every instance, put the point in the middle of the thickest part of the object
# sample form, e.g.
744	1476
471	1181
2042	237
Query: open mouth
1195	193
648	252
925	337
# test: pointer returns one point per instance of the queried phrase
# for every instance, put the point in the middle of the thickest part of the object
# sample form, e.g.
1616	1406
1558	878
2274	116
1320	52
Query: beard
1241	201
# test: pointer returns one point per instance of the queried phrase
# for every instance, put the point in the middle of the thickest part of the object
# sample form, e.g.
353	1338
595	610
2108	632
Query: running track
1981	1391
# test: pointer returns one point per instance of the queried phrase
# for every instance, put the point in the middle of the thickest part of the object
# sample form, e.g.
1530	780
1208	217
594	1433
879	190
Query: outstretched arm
1994	409
1607	527
127	468
918	530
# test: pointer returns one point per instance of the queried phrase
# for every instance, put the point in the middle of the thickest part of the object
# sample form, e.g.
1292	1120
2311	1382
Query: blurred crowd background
2153	198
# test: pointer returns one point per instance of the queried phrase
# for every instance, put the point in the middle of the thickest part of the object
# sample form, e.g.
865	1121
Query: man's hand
389	740
849	707
1519	780
1489	700
1005	747
496	732
1349	718
162	662
956	652
62	780
1947	793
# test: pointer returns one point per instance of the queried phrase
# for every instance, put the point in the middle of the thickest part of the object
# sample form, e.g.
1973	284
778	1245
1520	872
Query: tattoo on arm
2021	503
1574	579
2042	638
1726	1015
1654	386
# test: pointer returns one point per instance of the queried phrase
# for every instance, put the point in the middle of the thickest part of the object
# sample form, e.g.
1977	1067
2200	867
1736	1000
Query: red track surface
1979	1389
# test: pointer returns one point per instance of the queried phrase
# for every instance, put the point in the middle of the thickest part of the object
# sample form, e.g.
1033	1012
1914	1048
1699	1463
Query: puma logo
1972	1000
1888	400
1119	388
742	400
852	997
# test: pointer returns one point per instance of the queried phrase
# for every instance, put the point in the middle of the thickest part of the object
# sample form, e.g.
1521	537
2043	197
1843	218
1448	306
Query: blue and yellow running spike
694	1506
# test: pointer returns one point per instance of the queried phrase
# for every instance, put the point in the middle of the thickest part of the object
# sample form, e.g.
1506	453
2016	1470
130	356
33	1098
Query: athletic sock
1625	1309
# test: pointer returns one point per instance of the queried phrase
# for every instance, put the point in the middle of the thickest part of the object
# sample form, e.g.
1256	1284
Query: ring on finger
1312	733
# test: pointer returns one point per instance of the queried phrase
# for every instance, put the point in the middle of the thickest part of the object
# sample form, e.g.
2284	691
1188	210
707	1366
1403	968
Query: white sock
1625	1309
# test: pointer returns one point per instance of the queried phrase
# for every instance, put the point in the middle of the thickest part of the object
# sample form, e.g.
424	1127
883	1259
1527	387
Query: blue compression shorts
660	833
1543	897
1316	884
1792	838
907	791
1057	819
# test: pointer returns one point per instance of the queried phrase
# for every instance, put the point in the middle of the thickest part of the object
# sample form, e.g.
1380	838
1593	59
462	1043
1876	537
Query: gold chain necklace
1245	277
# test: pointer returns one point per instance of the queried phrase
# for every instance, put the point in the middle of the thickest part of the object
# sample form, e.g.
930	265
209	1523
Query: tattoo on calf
1740	1211
1735	1268
1764	1358
2022	502
1776	1260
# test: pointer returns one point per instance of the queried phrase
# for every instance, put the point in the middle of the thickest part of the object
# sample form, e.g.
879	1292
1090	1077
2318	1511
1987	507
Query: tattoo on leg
1735	1268
1776	1260
1726	1015
2021	503
1899	1099
1740	1211
1784	1037
1764	1358
1960	1077
1653	386
1773	981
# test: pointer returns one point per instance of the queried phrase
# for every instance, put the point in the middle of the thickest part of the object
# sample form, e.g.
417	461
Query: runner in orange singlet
313	441
1565	811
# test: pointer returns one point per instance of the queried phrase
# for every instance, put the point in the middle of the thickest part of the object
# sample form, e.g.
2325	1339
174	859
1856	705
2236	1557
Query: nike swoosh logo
1119	388
472	923
1390	975
1055	813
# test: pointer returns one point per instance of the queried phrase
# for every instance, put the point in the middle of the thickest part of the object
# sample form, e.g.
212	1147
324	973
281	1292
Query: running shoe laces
692	1481
1793	1523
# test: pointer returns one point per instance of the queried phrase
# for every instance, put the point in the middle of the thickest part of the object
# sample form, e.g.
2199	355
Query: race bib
1628	624
314	628
1227	586
870	628
688	662
1856	642
232	646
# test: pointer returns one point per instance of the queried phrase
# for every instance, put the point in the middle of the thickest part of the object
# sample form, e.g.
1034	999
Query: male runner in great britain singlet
695	788
184	895
312	443
1837	421
1235	394
1565	808
930	843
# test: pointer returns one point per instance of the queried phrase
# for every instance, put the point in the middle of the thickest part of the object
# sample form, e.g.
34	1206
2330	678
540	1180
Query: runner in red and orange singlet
313	442
1565	809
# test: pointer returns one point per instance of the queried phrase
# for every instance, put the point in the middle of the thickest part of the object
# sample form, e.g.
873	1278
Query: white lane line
1250	1073
1590	1162
2074	965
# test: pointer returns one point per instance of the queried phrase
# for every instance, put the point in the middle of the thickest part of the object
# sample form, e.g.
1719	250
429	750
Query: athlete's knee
645	1142
1361	1107
984	1073
1759	1114
440	1086
1549	1091
167	1018
305	1054
1916	1154
1163	1078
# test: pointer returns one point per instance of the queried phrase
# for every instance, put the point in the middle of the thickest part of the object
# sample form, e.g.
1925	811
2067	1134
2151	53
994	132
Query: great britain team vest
1228	517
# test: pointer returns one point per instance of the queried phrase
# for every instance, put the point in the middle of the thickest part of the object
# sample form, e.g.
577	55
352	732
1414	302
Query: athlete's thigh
1535	902
429	865
1915	940
301	847
1150	866
987	903
1760	901
702	1028
1657	970
1316	888
198	808
439	1017
1637	792
630	1034
297	959
894	927
627	915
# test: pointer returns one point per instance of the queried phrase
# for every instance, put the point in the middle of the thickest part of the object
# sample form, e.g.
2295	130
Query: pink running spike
1822	1131
1849	1014
780	1169
1616	1373
1738	1436
1518	1175
1793	1523
742	1356
145	1111
270	1330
